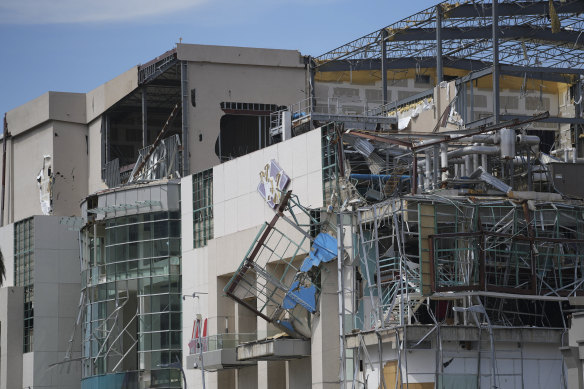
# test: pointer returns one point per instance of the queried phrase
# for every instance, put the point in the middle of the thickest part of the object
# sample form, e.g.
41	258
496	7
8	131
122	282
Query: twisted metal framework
526	35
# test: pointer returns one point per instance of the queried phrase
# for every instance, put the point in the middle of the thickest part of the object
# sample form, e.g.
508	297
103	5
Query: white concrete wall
239	211
238	205
540	367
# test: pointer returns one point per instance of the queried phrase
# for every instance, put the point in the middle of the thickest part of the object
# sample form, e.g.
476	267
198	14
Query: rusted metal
249	260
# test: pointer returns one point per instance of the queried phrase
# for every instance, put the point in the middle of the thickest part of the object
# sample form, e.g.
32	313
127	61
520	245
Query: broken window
131	270
23	274
202	208
244	128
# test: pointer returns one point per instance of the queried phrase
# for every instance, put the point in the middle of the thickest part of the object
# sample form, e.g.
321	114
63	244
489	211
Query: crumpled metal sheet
324	249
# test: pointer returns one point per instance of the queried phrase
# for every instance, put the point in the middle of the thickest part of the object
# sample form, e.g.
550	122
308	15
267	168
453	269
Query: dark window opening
244	128
547	139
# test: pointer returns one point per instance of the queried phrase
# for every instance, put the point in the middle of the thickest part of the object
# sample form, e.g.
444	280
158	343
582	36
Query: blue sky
77	45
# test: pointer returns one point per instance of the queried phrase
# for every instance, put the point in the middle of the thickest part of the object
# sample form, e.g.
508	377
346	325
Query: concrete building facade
228	217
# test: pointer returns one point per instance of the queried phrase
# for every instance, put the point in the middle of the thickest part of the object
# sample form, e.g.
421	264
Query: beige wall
239	55
70	164
51	105
217	82
106	95
28	151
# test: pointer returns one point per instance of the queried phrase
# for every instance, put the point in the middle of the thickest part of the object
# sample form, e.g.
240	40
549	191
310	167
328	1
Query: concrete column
298	373
286	125
325	333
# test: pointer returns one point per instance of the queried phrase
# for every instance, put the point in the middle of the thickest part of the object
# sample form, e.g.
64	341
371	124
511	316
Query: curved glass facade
132	302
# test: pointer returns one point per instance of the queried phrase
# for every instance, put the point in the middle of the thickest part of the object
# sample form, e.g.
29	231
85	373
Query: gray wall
11	314
56	300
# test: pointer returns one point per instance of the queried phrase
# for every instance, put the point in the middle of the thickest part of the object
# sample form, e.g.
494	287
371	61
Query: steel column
312	71
384	66
496	103
439	71
144	117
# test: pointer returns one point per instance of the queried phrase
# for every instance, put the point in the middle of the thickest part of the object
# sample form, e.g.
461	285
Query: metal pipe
436	164
444	160
428	172
486	138
415	174
531	140
372	177
475	149
467	165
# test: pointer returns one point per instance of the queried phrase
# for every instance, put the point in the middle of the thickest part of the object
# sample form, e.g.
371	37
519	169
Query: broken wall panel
282	272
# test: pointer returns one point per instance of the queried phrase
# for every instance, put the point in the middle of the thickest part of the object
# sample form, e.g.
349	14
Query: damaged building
402	211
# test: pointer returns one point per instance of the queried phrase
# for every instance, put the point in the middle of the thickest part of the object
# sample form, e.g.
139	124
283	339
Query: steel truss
526	35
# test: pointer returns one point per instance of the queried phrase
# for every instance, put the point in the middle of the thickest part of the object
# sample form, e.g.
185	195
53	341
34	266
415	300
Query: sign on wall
273	181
